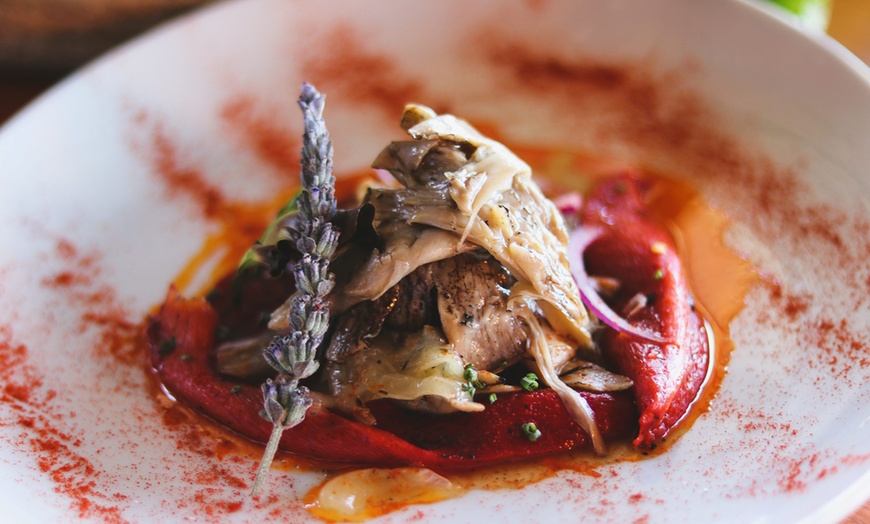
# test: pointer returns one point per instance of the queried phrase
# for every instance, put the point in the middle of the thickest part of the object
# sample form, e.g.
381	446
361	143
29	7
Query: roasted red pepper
182	342
640	254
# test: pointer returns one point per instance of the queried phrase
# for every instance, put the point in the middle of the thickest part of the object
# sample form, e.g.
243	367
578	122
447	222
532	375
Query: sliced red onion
578	241
569	203
385	177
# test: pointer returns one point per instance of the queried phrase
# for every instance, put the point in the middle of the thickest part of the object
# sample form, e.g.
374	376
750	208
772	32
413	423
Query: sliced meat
405	307
362	321
407	247
382	338
475	318
414	303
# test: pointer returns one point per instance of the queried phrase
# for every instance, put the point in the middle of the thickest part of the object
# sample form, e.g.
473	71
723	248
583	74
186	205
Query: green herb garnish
531	431
472	380
529	382
470	374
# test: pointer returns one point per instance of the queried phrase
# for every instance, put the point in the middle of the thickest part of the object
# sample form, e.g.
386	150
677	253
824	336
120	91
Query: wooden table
850	24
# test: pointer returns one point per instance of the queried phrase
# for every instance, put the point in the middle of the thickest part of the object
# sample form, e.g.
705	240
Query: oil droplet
367	493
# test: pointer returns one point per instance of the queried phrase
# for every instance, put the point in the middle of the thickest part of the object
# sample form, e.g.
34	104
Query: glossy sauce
718	277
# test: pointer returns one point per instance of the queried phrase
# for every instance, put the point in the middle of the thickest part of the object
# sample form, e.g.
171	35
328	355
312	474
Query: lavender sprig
294	353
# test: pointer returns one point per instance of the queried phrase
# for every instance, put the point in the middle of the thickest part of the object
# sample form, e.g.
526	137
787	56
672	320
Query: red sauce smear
35	408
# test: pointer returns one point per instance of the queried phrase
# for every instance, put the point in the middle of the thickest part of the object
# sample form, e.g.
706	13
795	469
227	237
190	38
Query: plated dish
446	314
133	174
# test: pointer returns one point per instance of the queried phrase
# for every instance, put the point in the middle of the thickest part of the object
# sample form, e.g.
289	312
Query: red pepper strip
495	435
640	254
443	442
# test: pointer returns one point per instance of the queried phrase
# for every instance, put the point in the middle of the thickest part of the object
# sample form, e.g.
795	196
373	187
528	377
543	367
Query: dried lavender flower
294	354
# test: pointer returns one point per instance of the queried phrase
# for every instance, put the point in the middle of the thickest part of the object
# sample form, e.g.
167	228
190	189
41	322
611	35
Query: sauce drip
718	277
219	254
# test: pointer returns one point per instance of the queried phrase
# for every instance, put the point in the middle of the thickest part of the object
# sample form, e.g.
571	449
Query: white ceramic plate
95	221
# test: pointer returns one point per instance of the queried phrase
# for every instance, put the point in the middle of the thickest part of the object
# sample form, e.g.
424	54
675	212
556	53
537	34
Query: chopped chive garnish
529	382
236	389
531	431
185	357
472	380
658	275
492	398
470	374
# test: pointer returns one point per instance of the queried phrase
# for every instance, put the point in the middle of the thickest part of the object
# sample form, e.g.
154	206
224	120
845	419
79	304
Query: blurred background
42	41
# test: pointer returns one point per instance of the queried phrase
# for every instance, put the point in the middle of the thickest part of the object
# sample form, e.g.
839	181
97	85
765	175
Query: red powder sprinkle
797	472
851	460
183	179
53	450
537	5
637	105
103	316
100	307
660	118
341	65
264	134
65	248
551	72
218	491
840	347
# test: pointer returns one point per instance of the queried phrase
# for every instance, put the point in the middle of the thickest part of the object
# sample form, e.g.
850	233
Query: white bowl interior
84	177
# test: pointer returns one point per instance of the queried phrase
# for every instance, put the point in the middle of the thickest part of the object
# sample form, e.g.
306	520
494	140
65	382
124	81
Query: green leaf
813	13
270	236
